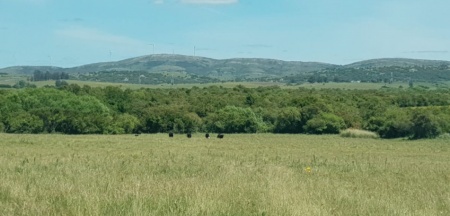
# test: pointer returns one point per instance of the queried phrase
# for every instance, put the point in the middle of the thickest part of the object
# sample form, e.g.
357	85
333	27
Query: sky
67	33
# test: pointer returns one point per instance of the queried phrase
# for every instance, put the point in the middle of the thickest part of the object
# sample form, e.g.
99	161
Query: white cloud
209	1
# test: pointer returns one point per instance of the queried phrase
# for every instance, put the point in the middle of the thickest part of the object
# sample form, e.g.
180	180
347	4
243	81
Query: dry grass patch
356	133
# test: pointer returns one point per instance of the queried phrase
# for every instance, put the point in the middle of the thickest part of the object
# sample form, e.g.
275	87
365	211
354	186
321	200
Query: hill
28	70
164	68
226	69
189	64
397	62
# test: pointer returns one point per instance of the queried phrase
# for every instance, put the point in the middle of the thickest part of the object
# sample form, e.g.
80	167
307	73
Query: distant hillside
188	64
207	67
397	62
163	68
28	70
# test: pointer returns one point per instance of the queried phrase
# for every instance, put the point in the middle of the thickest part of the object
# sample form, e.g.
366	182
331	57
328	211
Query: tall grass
259	174
356	133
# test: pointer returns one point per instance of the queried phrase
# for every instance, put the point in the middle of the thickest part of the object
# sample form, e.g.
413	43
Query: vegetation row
73	109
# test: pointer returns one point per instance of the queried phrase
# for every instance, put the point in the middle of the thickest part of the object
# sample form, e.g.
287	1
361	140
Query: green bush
424	125
395	123
124	124
325	123
23	122
232	119
169	118
444	136
288	120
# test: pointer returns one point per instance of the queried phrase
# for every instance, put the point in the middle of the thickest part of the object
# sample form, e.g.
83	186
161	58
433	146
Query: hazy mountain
163	68
397	62
28	70
200	66
187	64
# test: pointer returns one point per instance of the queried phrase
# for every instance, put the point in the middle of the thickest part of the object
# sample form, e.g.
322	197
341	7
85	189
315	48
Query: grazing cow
137	134
220	136
189	135
207	136
170	134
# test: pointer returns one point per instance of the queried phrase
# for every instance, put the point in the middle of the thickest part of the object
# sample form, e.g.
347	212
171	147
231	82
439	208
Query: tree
23	122
124	124
23	84
325	123
232	119
395	123
424	125
66	112
289	120
60	83
411	83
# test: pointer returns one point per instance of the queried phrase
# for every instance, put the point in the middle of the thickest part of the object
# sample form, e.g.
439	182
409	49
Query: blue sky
69	33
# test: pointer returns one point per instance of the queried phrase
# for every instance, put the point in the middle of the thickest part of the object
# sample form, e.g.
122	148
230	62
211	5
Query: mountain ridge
143	63
167	68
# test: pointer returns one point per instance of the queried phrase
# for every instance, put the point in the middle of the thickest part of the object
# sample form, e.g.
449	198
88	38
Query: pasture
11	80
330	85
251	174
162	86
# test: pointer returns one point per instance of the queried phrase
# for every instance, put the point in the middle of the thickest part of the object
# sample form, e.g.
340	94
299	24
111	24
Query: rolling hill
397	62
164	68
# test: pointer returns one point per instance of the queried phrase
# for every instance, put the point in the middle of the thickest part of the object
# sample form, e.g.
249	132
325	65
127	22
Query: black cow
171	134
220	136
207	136
189	135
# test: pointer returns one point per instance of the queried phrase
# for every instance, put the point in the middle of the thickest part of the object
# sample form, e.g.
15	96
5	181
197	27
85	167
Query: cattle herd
189	135
207	136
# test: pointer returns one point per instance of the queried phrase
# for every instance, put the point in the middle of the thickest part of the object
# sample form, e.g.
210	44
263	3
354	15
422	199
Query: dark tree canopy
72	109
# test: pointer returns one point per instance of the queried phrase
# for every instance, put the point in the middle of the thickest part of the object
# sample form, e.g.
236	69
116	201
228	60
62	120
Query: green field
138	86
356	86
11	80
257	174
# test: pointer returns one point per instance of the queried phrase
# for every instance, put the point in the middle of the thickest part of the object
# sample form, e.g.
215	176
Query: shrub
232	119
325	123
424	125
356	133
445	136
23	122
288	121
124	124
395	123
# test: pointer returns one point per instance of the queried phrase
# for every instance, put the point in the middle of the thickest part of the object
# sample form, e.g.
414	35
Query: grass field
261	174
356	86
138	86
11	80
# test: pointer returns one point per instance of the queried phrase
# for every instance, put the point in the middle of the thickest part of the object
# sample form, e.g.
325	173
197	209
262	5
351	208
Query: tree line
44	76
388	74
73	109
